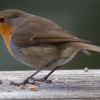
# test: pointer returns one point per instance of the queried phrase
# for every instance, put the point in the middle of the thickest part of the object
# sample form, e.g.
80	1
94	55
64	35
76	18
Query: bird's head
9	19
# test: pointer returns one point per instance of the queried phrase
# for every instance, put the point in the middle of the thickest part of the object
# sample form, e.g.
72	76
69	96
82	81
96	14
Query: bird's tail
85	46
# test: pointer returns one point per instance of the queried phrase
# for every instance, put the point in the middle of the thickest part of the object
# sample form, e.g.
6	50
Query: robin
39	42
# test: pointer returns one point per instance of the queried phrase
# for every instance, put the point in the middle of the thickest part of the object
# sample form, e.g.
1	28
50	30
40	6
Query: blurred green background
80	17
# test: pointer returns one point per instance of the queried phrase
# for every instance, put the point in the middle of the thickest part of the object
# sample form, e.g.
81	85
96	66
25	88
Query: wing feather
38	31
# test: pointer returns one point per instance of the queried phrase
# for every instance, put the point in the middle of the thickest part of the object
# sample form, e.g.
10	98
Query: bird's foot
42	80
26	81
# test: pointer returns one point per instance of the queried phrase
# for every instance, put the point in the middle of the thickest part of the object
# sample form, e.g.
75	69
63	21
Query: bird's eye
1	20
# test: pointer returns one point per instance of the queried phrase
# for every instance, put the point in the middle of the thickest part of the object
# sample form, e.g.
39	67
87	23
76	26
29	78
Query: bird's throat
6	33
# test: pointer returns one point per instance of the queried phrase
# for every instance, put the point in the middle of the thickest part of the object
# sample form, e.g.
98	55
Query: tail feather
86	46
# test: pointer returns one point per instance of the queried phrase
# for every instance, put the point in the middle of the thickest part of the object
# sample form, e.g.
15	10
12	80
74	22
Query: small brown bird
38	42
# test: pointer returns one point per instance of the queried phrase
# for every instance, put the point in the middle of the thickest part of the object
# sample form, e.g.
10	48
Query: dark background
80	17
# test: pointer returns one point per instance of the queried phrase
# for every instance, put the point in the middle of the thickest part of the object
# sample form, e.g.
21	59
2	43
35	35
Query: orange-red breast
38	42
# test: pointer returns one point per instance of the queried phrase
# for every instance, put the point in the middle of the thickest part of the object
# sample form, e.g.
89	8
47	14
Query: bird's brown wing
41	31
50	37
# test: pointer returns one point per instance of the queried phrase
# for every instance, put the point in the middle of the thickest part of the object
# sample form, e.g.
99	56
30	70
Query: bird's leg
26	81
44	79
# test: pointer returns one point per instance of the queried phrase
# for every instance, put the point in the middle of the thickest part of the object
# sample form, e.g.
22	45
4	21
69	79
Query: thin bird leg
26	81
45	78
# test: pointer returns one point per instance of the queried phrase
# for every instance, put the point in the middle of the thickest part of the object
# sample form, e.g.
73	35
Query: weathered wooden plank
80	84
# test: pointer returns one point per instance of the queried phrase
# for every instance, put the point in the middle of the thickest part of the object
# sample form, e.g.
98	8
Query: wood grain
80	84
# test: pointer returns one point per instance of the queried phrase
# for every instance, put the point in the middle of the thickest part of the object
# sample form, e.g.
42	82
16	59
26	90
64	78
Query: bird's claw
23	83
42	80
16	84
